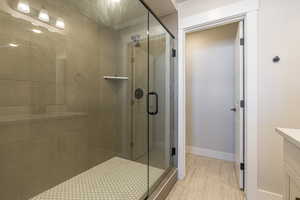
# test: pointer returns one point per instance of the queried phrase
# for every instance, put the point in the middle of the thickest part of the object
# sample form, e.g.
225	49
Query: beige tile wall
51	72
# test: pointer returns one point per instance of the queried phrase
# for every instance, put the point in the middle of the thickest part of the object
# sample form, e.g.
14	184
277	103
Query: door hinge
131	144
242	104
173	53
242	41
242	166
173	153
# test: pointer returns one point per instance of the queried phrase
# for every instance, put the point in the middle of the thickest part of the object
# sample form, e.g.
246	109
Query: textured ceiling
116	14
109	13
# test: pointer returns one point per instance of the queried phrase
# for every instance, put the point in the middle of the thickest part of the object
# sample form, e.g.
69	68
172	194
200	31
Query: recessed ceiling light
60	23
13	45
37	31
43	15
23	6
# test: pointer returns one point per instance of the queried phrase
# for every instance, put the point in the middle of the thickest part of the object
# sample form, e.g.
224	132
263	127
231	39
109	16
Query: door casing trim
235	12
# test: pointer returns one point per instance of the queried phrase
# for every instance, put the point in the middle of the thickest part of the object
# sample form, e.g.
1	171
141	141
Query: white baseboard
210	153
266	195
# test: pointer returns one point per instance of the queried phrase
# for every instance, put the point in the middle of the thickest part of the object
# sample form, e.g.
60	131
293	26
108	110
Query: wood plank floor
207	179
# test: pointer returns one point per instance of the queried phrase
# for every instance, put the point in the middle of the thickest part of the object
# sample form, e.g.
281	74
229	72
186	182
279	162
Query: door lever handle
233	109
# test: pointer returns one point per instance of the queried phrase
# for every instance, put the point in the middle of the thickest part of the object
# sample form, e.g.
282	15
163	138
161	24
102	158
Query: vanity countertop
292	135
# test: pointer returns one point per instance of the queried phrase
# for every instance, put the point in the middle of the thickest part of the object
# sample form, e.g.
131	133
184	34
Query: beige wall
54	72
171	22
194	7
210	88
279	85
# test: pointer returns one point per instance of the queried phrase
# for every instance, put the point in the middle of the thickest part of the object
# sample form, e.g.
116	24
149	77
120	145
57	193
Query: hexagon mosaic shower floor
115	179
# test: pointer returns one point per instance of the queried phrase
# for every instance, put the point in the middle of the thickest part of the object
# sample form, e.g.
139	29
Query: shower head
136	40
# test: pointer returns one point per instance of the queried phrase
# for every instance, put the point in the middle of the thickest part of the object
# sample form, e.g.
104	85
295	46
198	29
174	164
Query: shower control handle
156	103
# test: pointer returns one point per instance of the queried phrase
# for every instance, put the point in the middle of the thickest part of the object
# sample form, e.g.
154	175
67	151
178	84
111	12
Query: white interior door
239	99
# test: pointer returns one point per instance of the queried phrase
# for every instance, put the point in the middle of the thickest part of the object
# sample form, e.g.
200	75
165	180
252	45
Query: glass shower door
85	99
160	62
65	102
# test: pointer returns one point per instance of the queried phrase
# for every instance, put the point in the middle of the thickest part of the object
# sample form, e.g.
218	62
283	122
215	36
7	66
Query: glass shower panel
73	88
160	61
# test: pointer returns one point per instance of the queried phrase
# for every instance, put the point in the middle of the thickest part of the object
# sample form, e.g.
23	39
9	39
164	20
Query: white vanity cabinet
291	158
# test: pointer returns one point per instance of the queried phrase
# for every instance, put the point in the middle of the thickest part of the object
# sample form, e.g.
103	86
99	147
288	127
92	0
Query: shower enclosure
85	100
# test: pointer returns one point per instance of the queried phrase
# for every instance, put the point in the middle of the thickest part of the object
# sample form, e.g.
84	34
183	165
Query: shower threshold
115	179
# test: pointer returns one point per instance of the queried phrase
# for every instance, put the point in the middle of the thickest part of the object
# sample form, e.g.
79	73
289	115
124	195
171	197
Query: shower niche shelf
115	77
